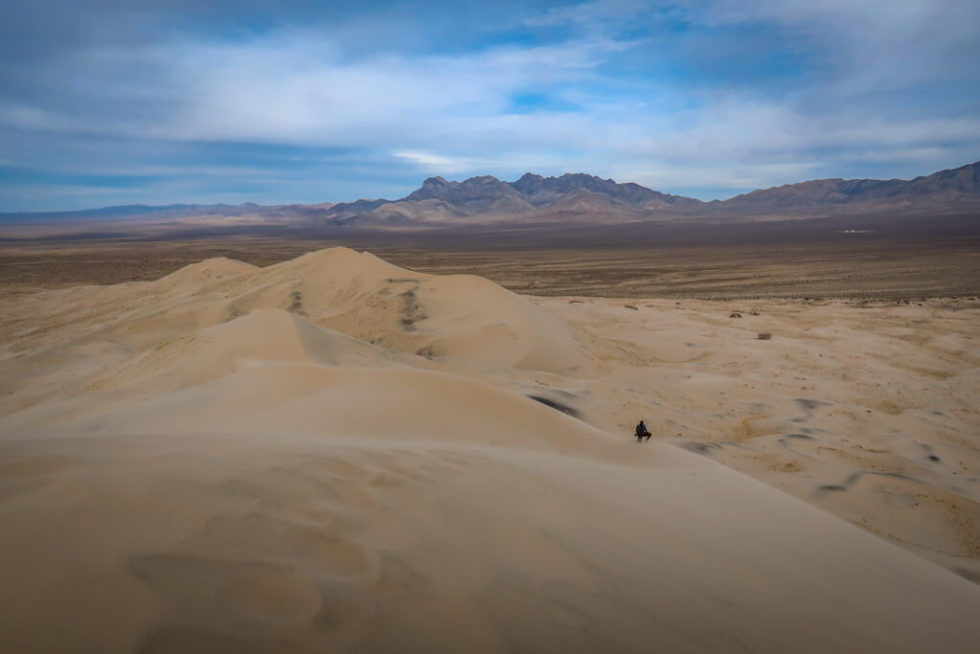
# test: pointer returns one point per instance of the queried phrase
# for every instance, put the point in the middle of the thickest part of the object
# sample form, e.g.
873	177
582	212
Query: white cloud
868	44
25	116
427	160
296	91
452	113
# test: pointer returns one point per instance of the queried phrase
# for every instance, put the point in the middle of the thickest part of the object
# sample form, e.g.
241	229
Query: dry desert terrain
334	453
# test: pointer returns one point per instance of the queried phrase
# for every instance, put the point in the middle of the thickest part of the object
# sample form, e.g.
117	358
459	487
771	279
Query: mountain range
577	198
586	198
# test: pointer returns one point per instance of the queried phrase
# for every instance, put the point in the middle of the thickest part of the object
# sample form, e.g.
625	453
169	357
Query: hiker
642	433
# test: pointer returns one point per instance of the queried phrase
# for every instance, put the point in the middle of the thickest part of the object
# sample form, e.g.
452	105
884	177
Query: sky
107	102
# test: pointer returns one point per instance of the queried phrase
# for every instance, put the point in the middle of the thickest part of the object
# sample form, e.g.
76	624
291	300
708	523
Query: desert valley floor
333	453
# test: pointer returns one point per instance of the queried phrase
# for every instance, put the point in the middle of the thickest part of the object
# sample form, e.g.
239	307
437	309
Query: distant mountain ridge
486	193
540	190
945	185
532	196
578	196
581	198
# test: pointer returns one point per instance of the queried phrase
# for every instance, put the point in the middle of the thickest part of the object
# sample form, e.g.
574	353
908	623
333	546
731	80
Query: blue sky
110	102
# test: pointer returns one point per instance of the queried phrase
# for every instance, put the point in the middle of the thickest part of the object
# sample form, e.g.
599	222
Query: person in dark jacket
642	434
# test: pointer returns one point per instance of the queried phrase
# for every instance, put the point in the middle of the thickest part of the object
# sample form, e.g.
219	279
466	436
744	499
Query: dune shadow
555	404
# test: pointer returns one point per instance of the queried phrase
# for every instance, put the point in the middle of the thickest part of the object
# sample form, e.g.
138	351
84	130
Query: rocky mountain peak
435	182
474	195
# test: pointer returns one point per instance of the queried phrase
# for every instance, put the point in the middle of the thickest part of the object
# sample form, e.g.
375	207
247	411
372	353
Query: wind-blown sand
335	454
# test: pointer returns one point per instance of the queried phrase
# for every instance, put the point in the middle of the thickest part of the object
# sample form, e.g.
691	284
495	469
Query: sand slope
333	454
869	412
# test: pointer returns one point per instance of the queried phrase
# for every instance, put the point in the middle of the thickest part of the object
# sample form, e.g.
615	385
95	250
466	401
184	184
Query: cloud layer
281	103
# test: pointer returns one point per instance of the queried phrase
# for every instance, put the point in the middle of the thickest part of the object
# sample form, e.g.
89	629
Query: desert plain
246	445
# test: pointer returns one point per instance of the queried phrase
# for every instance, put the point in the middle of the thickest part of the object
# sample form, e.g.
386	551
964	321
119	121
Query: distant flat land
854	258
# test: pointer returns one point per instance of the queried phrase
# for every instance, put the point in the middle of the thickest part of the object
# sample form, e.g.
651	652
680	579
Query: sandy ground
335	454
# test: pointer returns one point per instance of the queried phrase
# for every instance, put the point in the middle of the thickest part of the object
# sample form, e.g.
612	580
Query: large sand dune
335	454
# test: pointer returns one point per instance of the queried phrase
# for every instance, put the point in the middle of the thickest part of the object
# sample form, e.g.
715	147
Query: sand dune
335	454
